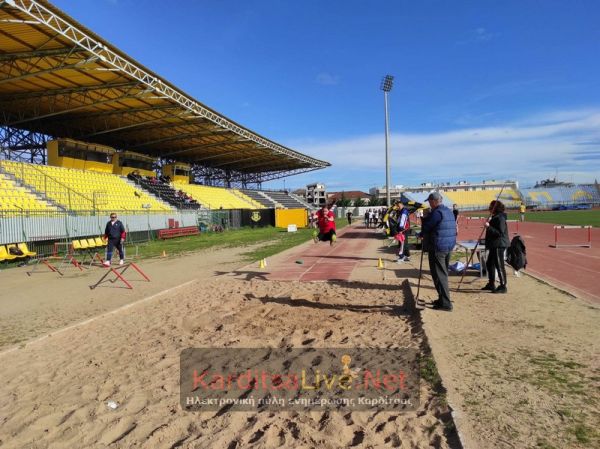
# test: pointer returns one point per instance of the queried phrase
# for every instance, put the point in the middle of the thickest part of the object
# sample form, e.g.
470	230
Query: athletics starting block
582	239
119	272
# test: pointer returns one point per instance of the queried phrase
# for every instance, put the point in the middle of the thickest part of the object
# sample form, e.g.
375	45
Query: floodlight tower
386	86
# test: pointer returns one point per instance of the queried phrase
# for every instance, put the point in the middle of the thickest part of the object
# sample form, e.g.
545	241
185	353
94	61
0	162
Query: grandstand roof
60	79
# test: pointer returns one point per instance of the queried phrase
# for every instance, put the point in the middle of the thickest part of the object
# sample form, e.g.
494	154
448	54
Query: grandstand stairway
300	200
261	198
284	199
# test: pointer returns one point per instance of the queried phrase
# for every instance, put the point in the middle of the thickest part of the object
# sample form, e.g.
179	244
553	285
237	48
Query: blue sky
483	89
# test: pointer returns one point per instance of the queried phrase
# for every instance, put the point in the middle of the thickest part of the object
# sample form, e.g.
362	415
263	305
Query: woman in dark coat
496	242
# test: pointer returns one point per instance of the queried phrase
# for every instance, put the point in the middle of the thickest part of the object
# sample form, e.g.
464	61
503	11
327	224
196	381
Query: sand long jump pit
115	381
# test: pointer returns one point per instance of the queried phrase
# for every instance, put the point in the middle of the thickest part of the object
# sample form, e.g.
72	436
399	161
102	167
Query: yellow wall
169	170
124	171
67	162
285	217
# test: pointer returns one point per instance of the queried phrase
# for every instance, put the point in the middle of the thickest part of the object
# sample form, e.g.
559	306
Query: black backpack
516	255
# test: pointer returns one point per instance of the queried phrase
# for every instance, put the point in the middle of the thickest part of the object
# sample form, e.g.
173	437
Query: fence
44	226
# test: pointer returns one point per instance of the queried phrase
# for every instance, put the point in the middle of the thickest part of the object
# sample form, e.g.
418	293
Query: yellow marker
164	253
380	264
261	264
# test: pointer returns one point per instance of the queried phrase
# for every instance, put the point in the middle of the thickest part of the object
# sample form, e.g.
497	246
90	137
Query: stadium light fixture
386	86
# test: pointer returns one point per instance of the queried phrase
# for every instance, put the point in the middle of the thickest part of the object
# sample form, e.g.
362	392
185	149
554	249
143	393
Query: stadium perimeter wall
58	226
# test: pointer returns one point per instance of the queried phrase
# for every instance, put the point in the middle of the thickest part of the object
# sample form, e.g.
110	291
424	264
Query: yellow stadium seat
100	242
91	243
23	247
5	255
8	247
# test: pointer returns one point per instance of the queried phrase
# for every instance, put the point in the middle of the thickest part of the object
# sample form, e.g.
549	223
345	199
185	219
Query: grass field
563	217
560	217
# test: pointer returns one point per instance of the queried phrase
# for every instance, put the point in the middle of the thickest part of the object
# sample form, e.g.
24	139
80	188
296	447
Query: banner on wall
258	218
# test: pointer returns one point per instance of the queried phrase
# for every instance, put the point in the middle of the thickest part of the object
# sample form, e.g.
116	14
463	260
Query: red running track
574	269
322	262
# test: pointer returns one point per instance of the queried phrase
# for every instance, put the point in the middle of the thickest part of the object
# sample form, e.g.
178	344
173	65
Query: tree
343	201
375	201
359	202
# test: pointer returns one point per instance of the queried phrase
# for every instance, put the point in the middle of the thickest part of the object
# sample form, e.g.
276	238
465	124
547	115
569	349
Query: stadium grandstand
468	196
551	194
477	196
85	129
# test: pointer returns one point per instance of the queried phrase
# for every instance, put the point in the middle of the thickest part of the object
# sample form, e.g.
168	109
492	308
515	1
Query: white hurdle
587	244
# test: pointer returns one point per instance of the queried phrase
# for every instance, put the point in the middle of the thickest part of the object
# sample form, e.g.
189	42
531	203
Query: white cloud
479	34
528	150
327	79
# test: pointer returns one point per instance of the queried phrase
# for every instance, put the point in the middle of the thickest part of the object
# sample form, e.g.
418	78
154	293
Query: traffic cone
262	264
380	264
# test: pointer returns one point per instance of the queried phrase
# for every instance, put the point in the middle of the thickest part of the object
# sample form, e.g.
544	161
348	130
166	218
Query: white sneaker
400	260
121	262
106	263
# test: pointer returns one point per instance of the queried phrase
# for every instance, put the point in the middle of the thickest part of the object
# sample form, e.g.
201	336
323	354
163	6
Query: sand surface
55	391
33	306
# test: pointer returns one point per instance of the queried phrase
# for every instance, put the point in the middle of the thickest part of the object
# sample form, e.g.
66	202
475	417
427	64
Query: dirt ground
521	369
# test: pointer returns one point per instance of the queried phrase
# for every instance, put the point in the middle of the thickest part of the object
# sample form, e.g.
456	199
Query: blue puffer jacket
439	228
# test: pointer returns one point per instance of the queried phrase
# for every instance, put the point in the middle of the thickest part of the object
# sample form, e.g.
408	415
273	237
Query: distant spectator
367	218
522	210
349	217
455	212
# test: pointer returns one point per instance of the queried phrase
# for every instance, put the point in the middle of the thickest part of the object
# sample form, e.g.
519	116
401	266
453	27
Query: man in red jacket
326	224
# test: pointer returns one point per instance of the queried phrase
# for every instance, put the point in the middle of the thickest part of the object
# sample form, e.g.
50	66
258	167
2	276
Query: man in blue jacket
115	234
439	231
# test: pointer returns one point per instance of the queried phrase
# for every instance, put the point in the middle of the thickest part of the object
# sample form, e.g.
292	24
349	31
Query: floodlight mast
386	86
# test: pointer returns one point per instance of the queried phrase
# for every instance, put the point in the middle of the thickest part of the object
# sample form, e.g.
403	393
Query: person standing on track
522	210
115	234
496	242
326	224
439	230
403	226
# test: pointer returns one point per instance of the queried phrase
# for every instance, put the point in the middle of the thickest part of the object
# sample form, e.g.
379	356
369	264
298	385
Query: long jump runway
322	262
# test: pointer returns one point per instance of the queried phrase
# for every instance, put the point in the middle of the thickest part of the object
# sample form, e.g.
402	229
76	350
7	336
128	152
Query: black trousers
495	261
438	265
327	236
114	244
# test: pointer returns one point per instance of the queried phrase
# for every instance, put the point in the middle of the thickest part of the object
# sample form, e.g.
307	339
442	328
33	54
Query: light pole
386	86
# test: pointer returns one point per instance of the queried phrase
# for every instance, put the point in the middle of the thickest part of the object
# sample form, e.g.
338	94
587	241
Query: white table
469	246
